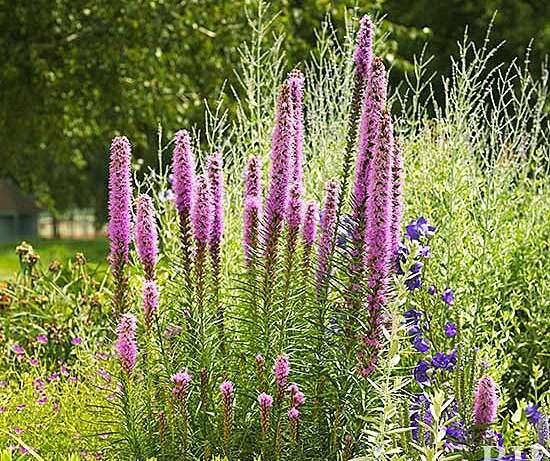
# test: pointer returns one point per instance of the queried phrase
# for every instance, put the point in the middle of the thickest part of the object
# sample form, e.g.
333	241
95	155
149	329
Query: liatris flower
294	418
260	370
328	226
374	101
202	212
296	189
363	64
279	173
309	228
126	345
181	381
251	225
485	402
180	391
150	302
226	389
363	49
216	184
120	195
266	402
281	370
297	398
252	207
397	197
183	183
146	234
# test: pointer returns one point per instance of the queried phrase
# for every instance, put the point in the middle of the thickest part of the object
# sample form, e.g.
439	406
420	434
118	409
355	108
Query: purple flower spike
311	217
397	199
363	49
373	104
533	414
181	381
296	188
485	402
202	211
265	400
216	183
150	302
226	390
183	167
281	371
146	234
253	178
120	195
328	226
281	157
126	345
252	217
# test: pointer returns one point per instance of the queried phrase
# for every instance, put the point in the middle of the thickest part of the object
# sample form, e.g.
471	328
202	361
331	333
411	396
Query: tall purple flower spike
397	196
126	345
120	196
183	168
363	49
216	183
146	234
252	207
485	402
150	302
296	188
281	156
374	101
328	225
202	211
309	228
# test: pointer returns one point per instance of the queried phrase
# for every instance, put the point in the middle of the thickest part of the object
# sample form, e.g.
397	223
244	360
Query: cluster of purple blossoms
485	402
181	381
281	370
126	344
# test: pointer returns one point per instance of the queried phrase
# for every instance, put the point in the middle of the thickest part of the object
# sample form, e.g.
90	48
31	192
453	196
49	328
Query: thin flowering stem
226	390
397	197
150	303
216	185
252	208
120	195
309	234
180	391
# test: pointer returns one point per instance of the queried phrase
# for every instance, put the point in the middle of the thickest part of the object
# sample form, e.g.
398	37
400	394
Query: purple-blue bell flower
448	296
431	290
444	361
419	406
420	373
533	414
419	228
413	283
424	251
450	329
415	330
420	344
412	316
416	268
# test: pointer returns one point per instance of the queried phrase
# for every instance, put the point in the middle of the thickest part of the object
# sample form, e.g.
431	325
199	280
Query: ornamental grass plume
146	235
252	208
119	228
328	225
183	169
485	402
126	344
150	303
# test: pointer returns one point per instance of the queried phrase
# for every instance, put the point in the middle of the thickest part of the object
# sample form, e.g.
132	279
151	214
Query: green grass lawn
62	250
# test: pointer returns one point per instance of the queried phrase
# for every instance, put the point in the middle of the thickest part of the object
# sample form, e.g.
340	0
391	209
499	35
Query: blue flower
413	283
431	290
415	330
419	228
424	251
419	406
416	268
533	414
420	344
420	373
450	329
345	230
448	296
444	361
412	316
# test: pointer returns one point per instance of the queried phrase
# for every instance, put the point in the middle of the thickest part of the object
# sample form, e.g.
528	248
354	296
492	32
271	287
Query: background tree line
75	72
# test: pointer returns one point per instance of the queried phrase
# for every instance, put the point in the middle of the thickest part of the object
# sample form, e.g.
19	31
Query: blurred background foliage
76	72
